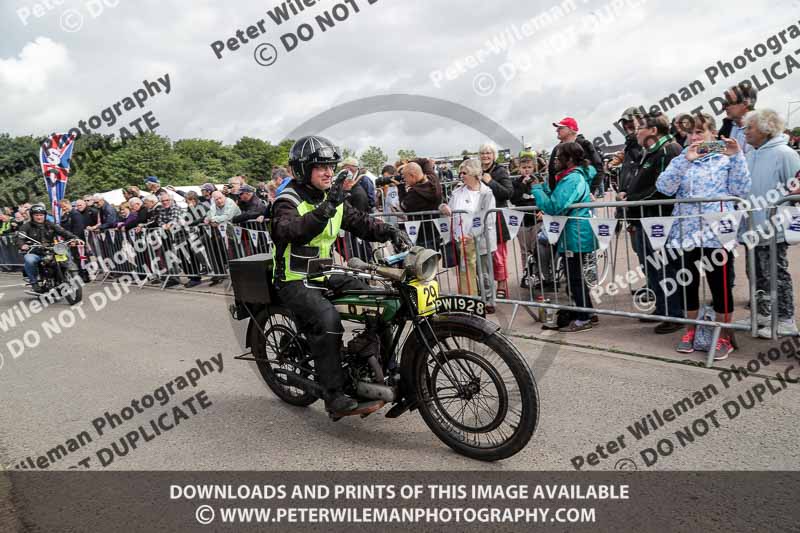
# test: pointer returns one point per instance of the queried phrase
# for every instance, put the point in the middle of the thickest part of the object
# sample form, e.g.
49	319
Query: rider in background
306	218
44	231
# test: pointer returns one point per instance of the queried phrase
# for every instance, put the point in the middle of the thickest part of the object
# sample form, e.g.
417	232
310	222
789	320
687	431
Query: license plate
61	258
427	295
461	304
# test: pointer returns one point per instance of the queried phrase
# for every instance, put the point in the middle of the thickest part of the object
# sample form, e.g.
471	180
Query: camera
380	182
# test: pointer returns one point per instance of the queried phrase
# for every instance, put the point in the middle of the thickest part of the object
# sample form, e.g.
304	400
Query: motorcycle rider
306	218
44	231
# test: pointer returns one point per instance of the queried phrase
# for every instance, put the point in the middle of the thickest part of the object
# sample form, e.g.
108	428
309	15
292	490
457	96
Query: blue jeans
32	266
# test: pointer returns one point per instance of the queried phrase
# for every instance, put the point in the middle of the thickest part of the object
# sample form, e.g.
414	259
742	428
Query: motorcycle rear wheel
279	348
495	413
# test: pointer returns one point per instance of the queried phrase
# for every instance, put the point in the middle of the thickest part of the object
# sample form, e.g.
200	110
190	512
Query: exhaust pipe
301	382
366	390
374	391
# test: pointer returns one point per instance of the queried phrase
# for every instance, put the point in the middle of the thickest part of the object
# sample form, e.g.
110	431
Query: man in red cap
567	131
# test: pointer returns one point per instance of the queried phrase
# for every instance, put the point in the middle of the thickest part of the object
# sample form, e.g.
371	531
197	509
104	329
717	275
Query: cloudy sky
65	64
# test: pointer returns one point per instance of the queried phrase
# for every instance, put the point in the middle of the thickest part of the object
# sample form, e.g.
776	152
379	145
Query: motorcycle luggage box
251	278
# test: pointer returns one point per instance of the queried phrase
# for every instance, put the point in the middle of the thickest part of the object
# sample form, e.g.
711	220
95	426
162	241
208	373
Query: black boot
339	402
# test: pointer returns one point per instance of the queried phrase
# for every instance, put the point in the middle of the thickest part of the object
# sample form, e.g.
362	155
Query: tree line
101	163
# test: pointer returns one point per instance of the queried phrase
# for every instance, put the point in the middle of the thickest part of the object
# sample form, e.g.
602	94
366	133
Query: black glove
400	240
337	193
335	196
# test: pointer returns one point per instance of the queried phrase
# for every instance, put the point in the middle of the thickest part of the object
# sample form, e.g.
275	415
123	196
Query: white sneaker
785	328
761	321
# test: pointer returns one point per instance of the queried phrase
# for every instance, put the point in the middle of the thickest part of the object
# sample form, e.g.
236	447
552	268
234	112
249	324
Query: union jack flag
54	155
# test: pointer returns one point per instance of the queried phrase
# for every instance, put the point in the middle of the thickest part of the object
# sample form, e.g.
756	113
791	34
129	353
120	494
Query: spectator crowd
751	153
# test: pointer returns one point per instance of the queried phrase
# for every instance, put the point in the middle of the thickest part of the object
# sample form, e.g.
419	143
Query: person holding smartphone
694	175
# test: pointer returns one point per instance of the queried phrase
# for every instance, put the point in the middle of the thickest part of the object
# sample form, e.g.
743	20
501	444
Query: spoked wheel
281	348
74	292
477	394
593	265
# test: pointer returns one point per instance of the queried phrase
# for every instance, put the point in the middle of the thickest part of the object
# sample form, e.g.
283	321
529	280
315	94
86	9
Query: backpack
704	334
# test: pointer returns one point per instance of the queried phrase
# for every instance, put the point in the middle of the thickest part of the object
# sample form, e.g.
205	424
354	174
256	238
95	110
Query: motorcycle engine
364	350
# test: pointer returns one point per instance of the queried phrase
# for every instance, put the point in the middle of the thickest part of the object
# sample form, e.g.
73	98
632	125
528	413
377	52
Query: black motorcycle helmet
38	209
309	151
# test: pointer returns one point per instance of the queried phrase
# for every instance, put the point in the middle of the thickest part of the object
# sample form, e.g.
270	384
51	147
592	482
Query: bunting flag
392	198
253	236
603	230
725	226
476	224
412	230
790	220
513	222
443	225
237	230
54	156
553	226
223	232
657	230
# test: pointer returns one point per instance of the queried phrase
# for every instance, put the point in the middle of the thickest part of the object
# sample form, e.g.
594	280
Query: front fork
420	326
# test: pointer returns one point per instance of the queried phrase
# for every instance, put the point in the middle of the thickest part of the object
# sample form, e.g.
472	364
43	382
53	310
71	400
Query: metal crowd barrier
9	254
598	267
773	268
161	254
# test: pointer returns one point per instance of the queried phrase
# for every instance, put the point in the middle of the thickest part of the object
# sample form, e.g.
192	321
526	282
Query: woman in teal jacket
577	239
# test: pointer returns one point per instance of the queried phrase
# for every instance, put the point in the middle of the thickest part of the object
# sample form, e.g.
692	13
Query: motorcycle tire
76	295
464	351
279	341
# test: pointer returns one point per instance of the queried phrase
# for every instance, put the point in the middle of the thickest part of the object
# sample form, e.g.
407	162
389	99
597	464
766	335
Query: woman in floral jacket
696	175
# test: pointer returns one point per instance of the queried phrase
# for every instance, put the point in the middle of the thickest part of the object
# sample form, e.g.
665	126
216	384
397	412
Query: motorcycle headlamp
422	263
60	249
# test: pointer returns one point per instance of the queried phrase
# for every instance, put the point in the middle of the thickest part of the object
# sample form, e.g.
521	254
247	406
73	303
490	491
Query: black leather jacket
45	233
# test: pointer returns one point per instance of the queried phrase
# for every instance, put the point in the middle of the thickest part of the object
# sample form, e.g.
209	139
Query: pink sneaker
686	345
724	349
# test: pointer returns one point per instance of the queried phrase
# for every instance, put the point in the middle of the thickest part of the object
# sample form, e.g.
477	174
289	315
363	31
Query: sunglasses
726	105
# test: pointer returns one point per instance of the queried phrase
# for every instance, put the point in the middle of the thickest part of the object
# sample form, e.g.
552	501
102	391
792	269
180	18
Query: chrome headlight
61	249
422	263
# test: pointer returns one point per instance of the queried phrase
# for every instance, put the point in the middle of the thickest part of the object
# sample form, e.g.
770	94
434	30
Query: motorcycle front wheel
74	293
476	392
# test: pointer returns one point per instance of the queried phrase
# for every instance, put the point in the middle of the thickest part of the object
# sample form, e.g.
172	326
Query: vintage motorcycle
56	269
410	347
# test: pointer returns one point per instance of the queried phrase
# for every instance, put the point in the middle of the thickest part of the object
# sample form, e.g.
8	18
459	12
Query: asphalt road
51	393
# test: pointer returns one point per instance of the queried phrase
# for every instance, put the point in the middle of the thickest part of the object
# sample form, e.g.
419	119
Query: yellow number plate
61	258
427	295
